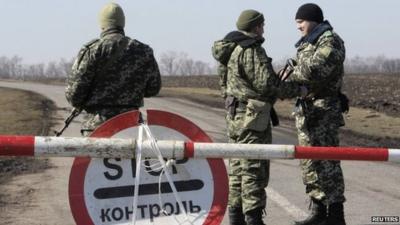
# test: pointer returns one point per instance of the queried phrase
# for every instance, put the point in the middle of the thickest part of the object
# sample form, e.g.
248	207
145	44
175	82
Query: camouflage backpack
222	51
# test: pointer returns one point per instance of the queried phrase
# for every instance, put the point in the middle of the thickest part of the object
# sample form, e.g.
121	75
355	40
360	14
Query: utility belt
343	99
232	104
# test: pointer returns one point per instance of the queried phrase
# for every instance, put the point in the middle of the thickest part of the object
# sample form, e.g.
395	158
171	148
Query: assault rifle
75	112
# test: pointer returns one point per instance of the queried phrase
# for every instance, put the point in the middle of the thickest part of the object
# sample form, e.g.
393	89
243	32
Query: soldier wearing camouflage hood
113	74
250	87
320	57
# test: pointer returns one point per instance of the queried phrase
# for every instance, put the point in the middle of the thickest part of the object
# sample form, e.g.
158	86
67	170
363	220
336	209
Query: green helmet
249	19
112	15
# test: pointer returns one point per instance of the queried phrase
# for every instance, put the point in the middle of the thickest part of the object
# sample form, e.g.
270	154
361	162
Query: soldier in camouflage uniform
113	74
320	57
250	87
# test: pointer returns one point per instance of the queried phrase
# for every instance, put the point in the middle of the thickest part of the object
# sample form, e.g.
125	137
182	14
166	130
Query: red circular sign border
154	117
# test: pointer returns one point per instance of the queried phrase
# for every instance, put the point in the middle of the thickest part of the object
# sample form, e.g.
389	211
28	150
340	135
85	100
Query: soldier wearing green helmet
250	88
112	74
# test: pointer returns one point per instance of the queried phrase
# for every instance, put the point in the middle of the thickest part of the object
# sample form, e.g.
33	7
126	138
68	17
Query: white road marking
285	204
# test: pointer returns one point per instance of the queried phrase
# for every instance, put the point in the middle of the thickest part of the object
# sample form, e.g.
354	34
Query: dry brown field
378	92
22	113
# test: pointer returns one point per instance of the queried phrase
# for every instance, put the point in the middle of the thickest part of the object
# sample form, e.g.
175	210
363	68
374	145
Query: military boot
236	216
336	214
318	214
254	217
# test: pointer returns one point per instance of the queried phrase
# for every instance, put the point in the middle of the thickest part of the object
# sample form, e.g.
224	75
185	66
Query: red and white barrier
125	148
66	147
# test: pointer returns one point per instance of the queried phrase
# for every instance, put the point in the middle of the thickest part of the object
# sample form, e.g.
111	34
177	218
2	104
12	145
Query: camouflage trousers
248	178
323	178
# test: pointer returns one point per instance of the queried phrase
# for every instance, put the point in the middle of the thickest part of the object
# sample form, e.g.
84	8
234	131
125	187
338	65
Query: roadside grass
361	122
23	113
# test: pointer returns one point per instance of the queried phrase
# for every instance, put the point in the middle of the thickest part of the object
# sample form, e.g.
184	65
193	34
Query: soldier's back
121	73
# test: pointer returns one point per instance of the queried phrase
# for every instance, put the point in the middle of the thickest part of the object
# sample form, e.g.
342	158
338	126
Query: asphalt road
372	189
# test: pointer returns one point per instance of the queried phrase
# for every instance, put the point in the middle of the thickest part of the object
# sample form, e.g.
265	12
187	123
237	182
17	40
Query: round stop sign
101	191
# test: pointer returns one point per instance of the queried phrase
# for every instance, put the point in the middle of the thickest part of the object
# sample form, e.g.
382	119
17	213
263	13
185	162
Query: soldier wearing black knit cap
319	66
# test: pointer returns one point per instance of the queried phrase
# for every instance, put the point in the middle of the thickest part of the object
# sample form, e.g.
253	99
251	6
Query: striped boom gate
125	148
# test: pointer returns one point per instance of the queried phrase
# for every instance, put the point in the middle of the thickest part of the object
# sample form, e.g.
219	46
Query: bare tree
4	67
174	63
168	63
377	64
186	65
39	68
202	68
65	67
15	67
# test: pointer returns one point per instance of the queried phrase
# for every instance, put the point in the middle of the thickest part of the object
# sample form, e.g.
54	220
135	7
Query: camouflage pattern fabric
318	118
248	178
112	75
246	71
247	74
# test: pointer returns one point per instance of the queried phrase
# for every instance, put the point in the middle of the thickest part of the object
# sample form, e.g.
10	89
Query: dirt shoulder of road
364	127
22	113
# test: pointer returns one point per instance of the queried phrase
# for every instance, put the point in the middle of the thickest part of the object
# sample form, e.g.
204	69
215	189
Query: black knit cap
310	12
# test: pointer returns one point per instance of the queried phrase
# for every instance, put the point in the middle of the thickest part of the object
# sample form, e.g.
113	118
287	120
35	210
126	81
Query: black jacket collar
242	39
312	38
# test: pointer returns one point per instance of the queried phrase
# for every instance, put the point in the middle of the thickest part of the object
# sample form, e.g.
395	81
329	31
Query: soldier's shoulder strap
83	51
91	43
86	47
137	42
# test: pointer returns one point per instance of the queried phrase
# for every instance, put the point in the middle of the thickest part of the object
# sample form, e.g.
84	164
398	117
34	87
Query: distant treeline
173	63
378	64
14	68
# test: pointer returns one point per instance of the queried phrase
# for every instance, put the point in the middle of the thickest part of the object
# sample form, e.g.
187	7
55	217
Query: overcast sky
45	30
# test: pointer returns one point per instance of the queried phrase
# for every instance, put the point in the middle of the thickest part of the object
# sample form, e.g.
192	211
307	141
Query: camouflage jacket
246	71
320	57
113	73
